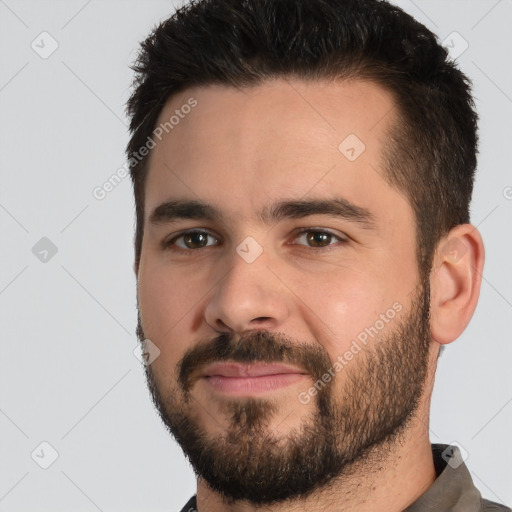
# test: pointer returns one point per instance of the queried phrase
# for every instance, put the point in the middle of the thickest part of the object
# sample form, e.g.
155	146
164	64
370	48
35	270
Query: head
346	117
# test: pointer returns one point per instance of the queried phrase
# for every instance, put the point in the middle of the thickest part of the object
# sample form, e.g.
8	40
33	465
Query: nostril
221	324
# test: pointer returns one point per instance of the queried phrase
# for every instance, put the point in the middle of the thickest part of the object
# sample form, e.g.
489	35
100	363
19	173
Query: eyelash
167	245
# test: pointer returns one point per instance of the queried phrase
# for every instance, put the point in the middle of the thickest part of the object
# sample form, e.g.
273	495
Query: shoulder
491	506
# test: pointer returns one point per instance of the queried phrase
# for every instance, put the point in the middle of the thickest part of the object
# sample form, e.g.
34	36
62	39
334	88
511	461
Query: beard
344	429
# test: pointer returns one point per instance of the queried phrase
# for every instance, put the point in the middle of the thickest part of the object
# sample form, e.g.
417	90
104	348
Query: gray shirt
452	491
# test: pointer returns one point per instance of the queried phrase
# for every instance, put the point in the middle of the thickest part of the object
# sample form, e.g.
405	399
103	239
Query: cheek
344	306
165	299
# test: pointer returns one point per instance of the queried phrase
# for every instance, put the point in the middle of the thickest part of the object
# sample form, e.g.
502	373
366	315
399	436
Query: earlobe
455	282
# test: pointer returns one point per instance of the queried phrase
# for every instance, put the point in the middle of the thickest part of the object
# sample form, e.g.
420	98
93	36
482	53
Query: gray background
68	373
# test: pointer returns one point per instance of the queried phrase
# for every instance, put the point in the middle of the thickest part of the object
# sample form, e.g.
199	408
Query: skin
241	150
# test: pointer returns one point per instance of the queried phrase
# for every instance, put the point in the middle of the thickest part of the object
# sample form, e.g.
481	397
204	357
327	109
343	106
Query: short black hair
431	152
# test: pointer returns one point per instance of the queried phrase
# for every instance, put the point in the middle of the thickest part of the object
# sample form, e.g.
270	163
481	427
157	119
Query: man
302	173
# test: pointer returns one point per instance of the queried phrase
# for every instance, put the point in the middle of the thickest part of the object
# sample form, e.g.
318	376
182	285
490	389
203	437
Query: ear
455	282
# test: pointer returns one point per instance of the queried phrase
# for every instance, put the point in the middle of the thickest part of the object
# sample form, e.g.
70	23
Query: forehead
238	149
276	115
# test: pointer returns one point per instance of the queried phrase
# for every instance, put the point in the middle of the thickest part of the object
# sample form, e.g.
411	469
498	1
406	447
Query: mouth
243	379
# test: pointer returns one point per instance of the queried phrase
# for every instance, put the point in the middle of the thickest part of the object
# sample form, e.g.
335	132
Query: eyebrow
293	209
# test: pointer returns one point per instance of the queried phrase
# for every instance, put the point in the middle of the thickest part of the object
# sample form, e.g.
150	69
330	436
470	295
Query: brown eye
318	238
195	240
190	240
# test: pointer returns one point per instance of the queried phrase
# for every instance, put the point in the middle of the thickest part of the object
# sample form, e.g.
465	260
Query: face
278	279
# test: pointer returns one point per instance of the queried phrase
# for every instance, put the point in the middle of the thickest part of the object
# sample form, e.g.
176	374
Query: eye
318	238
187	241
195	239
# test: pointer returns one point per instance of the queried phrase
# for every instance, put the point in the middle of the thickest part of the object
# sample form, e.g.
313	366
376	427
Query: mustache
256	346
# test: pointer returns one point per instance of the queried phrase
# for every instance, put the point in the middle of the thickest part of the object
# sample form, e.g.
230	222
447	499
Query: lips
249	370
247	379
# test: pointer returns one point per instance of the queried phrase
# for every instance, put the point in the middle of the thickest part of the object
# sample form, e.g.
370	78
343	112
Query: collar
453	489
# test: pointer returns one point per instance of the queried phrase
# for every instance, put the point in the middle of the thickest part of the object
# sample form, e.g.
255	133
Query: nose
250	296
